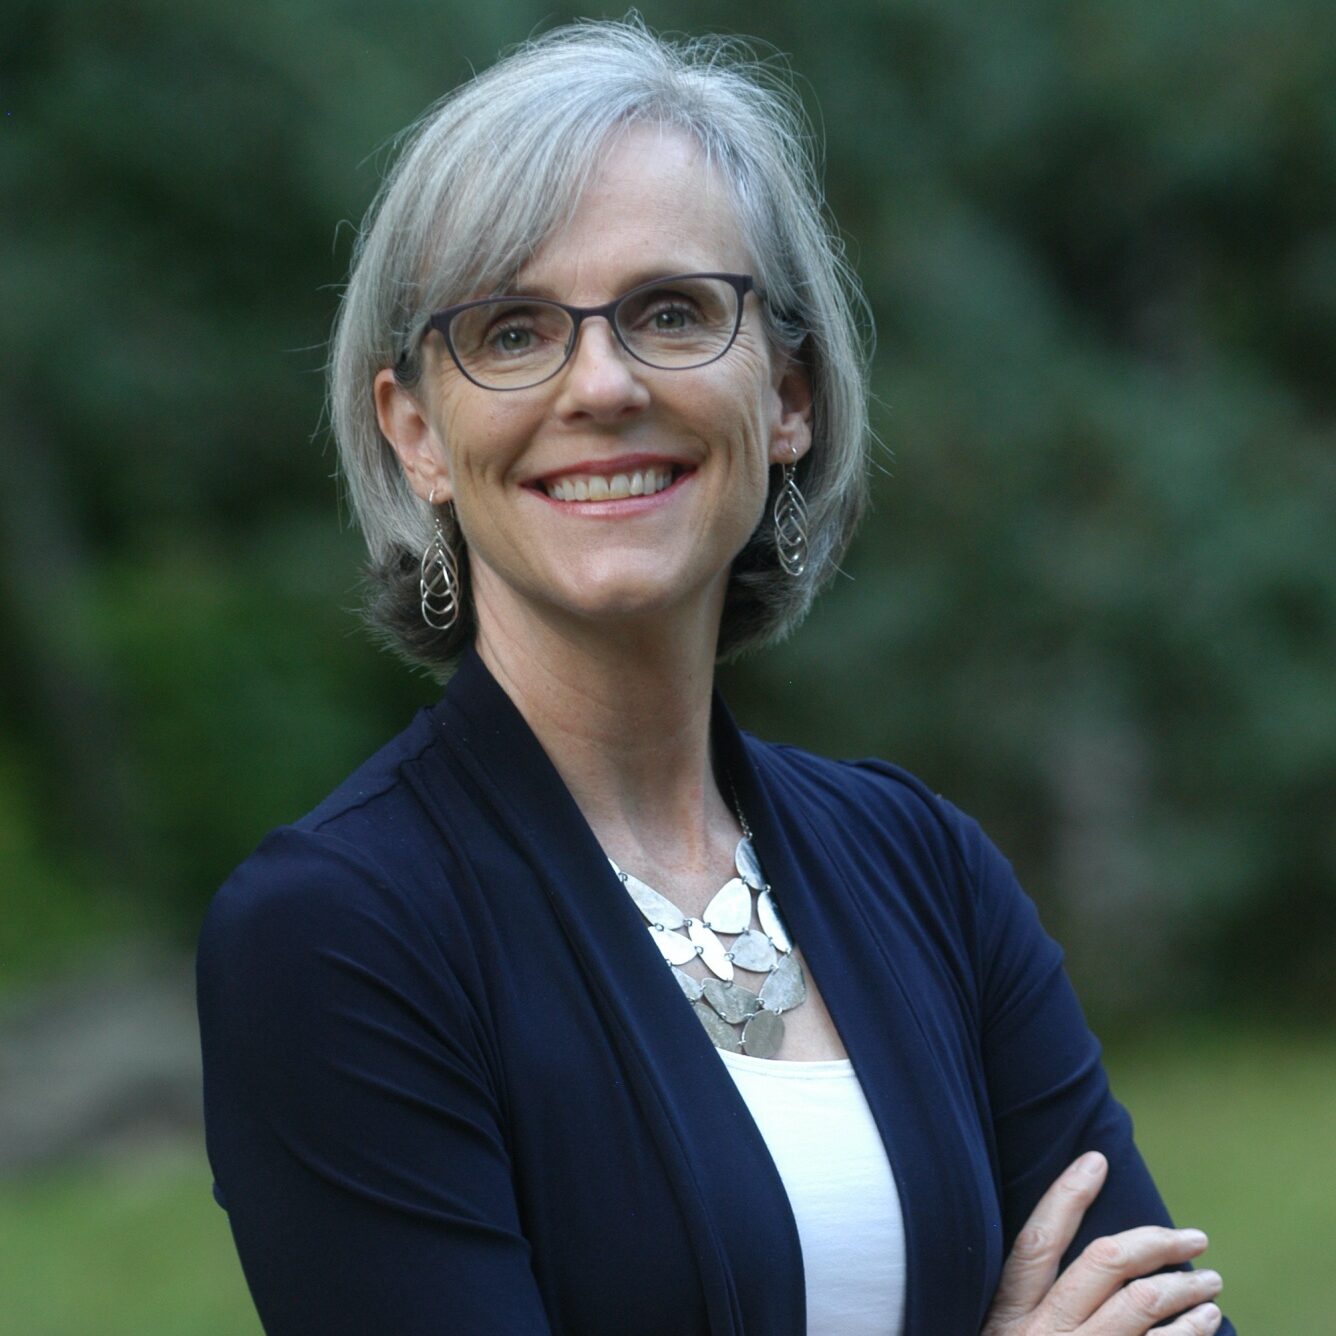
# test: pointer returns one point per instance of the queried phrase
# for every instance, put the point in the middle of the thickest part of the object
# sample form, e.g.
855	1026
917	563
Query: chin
639	590
628	603
629	599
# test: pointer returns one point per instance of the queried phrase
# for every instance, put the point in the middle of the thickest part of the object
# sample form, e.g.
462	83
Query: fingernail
1089	1165
1209	1277
1193	1237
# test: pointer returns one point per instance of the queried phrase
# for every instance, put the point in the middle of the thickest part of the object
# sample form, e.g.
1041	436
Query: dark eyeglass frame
441	320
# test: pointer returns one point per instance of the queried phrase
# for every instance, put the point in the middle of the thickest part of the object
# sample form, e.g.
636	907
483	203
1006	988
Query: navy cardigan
451	1088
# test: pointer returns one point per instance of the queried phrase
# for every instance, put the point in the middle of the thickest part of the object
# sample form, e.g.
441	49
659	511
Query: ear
405	423
791	434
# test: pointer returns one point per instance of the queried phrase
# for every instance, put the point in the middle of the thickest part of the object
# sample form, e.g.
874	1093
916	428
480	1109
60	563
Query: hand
1110	1289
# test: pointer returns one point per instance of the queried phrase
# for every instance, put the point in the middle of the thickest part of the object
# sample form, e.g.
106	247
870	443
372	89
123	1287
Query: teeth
642	482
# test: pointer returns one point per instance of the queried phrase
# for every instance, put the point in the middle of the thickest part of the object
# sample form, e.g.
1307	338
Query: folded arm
352	1120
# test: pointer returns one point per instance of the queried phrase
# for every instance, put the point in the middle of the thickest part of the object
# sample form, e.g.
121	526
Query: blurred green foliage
1096	603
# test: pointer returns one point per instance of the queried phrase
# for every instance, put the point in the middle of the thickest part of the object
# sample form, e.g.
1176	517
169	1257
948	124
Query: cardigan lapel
938	1165
720	1171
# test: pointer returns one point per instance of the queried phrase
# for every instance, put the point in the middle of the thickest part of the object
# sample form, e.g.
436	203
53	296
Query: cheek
481	439
749	471
757	436
755	386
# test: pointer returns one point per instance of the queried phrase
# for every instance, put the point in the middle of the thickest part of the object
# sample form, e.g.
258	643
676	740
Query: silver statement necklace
735	1017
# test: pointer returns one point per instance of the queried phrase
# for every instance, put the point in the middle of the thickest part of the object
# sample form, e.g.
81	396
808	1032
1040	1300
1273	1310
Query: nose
602	380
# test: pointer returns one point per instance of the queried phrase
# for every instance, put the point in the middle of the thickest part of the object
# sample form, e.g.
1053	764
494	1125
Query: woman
575	1009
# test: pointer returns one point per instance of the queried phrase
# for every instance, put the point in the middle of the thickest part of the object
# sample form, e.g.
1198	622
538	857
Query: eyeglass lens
514	342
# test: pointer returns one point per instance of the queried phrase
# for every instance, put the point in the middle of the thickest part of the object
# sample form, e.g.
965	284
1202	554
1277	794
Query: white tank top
820	1134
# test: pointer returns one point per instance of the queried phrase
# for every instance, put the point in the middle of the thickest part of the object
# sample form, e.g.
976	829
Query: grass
1240	1132
128	1246
1238	1129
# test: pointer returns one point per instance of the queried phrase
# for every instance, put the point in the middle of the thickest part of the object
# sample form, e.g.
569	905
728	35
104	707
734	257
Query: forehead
654	205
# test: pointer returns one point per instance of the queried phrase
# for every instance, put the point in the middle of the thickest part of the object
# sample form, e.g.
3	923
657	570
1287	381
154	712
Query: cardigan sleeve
352	1121
1049	1097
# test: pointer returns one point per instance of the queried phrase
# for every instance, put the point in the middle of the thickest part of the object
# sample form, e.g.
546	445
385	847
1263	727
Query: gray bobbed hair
499	165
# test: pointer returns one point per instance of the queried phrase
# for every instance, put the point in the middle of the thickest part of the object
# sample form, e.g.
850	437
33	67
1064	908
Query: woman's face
654	209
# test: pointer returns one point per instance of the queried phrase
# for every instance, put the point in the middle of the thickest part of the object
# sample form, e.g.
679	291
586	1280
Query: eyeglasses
673	324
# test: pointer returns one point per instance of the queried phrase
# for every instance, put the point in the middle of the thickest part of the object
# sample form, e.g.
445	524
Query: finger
1203	1320
1108	1263
1032	1265
1139	1305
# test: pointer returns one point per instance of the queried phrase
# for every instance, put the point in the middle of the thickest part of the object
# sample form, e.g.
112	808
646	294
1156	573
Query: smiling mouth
613	487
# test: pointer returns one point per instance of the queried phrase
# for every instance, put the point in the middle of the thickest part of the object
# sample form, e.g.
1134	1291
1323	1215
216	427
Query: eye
668	312
672	317
510	330
510	338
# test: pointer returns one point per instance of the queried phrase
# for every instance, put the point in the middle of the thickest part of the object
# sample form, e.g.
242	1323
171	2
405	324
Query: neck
623	711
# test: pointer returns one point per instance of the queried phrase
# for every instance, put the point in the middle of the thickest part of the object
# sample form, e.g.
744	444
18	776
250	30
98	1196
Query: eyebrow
639	277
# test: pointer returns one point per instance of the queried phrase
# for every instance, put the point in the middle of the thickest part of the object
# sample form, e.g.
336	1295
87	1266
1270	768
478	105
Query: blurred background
1095	604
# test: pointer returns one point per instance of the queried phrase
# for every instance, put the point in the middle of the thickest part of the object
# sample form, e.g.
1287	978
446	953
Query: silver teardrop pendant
730	910
674	949
763	1034
711	949
655	907
744	859
786	987
752	951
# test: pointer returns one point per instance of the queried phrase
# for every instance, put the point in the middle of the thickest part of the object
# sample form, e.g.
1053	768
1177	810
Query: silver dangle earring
439	577
790	516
